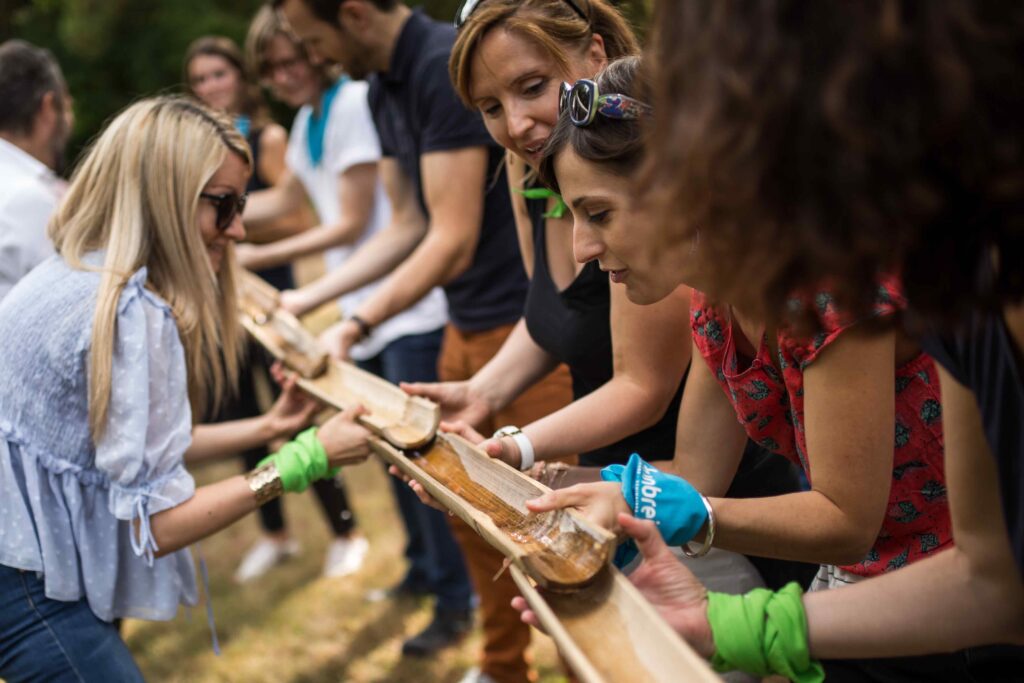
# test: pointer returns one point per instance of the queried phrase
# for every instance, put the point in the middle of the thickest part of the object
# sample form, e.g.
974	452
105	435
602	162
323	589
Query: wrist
362	326
522	441
481	391
265	482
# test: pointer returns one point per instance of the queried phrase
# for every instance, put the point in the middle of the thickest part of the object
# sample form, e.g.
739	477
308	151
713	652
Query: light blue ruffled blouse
66	507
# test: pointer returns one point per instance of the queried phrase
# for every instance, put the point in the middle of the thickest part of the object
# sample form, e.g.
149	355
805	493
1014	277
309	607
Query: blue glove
675	506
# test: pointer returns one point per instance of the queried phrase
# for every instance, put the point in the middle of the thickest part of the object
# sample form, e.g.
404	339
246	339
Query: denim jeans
435	560
55	641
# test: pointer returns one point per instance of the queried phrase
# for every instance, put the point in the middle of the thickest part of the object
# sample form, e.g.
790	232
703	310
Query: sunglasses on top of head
228	206
584	103
467	8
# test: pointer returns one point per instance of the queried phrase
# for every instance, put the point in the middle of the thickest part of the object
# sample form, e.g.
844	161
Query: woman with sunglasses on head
908	158
110	348
830	402
215	74
627	362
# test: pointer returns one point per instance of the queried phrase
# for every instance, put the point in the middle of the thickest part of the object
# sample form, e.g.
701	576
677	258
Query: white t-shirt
351	139
28	196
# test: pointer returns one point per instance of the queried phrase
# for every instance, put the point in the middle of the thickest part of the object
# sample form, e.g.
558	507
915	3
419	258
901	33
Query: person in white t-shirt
332	158
35	123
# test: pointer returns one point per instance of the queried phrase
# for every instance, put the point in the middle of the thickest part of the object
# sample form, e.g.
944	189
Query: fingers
574	496
525	613
424	389
462	429
648	539
352	412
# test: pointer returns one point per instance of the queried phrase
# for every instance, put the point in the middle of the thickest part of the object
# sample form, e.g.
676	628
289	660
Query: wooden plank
560	550
608	632
405	421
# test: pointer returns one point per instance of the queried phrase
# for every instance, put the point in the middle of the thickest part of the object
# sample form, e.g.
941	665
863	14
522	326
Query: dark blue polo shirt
417	111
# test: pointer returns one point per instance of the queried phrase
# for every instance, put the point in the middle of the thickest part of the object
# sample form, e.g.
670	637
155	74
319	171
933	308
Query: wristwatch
365	328
526	453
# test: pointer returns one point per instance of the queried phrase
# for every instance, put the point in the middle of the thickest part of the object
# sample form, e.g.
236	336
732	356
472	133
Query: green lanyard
557	211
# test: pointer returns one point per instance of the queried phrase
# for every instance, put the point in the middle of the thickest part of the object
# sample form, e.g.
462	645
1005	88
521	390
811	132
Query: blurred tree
116	51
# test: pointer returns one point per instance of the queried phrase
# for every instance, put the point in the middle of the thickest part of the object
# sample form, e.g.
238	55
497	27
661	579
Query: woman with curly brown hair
804	141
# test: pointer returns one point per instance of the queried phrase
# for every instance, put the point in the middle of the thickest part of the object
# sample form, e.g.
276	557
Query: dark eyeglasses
228	206
584	103
467	8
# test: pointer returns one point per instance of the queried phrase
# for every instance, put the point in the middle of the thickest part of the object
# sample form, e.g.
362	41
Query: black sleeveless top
279	276
574	326
982	357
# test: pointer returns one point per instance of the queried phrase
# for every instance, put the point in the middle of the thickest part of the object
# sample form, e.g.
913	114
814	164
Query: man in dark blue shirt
452	226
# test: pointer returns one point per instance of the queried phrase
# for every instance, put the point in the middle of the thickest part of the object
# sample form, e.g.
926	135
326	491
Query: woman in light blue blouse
109	348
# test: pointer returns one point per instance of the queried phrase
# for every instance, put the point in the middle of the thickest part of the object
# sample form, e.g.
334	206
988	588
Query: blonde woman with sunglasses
110	348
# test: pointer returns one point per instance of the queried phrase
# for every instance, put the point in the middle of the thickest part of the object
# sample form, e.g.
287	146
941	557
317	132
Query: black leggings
330	492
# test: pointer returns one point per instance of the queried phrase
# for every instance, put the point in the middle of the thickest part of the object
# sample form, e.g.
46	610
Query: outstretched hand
600	502
339	338
345	440
293	410
458	402
669	586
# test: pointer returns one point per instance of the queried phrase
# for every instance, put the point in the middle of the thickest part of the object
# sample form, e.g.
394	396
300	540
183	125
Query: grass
293	625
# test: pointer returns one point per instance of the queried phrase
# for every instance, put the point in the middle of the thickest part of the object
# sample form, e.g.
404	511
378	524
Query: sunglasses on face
467	8
228	206
584	103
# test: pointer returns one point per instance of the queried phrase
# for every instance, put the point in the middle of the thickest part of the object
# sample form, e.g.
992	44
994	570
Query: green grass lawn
293	625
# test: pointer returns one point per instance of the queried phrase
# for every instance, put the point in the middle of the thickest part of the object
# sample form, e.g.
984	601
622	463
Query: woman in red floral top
825	404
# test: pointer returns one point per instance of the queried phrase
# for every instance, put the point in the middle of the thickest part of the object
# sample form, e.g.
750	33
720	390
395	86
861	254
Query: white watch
526	453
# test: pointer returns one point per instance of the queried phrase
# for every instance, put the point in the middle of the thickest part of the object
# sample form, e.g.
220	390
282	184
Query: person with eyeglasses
111	348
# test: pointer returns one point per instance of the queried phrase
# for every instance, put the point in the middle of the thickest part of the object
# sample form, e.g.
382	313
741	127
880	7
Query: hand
292	411
504	449
601	503
296	301
457	400
345	440
669	586
339	338
417	488
250	256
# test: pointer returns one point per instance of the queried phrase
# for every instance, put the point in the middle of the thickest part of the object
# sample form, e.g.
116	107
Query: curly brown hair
816	142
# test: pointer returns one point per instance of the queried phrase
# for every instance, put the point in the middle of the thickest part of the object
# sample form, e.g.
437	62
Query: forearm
804	527
212	508
436	261
941	603
269	205
224	439
519	364
311	241
617	409
373	260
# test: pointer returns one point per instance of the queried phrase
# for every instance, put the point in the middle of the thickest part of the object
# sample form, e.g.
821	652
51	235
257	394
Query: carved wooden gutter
560	561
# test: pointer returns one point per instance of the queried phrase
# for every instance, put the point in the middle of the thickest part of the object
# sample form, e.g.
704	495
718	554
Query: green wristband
763	633
301	461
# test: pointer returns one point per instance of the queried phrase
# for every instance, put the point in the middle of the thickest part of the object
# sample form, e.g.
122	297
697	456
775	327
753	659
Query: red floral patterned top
769	401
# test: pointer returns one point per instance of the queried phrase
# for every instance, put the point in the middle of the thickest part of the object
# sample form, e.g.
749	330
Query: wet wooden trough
604	628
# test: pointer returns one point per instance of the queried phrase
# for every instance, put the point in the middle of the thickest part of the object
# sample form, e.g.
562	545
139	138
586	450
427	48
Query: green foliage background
116	51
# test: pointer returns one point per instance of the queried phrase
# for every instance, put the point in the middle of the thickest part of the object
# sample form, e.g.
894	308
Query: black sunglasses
467	8
584	103
228	206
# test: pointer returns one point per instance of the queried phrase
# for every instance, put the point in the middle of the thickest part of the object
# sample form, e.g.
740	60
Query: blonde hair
552	25
136	196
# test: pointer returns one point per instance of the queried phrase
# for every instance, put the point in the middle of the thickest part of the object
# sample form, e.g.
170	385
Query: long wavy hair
135	196
552	25
829	141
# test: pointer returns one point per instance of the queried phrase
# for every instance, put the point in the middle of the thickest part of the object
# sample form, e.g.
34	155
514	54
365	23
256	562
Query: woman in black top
627	361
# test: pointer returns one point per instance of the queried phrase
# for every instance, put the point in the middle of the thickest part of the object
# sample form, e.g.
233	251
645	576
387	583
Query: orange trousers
506	638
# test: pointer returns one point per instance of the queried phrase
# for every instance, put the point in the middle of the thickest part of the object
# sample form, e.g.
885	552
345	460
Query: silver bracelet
709	537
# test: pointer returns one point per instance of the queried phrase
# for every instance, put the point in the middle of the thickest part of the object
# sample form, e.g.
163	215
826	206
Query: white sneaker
475	675
264	555
345	556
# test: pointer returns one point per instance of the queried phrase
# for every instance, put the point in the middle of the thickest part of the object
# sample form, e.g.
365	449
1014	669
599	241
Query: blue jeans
54	641
435	560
